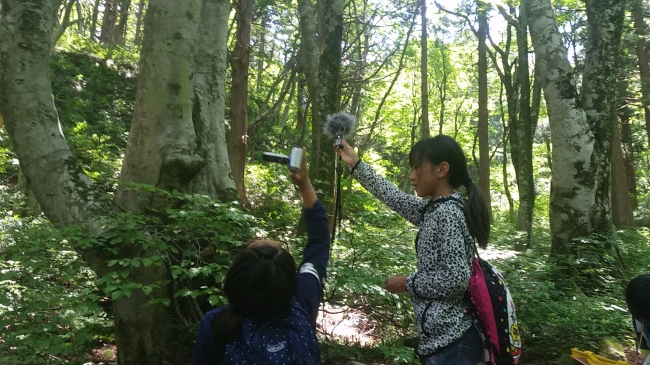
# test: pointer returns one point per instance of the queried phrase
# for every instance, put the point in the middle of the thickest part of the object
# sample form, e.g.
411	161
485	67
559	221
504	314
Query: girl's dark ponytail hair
260	283
443	148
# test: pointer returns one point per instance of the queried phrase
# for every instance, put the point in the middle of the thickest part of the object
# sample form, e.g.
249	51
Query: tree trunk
62	189
262	50
162	152
119	37
93	22
605	28
580	172
525	134
162	149
302	107
628	154
322	159
484	147
504	164
80	20
642	59
443	85
238	136
209	103
138	25
424	72
362	54
65	23
309	58
108	22
31	208
622	215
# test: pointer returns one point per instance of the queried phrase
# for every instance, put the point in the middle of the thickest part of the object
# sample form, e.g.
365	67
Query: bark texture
622	215
581	128
64	192
321	168
119	36
138	24
109	22
525	132
483	114
162	149
424	73
628	154
238	137
209	103
642	59
162	152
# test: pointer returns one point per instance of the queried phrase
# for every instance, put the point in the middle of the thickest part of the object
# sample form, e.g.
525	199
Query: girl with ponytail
449	222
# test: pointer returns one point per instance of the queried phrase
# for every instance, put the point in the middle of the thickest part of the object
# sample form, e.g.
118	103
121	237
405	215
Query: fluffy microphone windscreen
338	124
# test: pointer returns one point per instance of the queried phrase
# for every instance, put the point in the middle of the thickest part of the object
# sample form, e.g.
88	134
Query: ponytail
224	328
477	214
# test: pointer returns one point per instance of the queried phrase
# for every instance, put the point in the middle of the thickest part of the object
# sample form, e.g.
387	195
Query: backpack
493	312
492	309
289	340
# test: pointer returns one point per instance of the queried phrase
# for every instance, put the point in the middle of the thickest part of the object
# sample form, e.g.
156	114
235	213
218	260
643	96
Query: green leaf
135	263
147	261
183	293
193	272
214	300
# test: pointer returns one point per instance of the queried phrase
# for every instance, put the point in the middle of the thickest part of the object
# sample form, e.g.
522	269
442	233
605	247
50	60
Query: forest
131	168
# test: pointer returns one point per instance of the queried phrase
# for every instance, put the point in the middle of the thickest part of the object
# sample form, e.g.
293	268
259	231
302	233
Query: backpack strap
436	204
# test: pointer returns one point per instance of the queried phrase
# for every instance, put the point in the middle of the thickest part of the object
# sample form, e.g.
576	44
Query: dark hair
443	148
637	296
260	284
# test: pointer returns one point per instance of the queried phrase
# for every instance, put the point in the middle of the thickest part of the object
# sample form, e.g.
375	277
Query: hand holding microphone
300	176
347	154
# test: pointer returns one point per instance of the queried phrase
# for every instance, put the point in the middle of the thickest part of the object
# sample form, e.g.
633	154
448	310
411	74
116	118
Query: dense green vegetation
53	310
56	304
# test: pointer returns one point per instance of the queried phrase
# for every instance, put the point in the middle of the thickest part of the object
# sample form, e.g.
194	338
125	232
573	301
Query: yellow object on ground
589	358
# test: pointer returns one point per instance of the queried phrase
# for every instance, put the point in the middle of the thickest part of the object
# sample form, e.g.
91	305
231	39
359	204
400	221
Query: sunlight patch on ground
492	253
345	323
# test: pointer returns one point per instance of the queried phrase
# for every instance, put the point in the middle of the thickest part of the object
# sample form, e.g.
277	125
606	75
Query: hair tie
264	255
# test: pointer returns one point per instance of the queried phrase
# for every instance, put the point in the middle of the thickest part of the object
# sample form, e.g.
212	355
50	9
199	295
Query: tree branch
463	16
512	21
64	24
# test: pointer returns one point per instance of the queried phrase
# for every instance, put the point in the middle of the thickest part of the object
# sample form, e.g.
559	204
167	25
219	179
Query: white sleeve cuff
309	268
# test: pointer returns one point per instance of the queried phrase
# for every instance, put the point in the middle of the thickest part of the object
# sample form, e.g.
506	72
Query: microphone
293	160
337	126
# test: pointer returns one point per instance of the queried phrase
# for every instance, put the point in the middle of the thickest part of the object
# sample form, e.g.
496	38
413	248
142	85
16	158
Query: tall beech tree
164	148
642	58
483	113
238	136
322	74
424	73
580	123
523	111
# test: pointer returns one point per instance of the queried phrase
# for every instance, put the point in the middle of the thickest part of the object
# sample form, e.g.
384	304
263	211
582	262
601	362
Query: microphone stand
337	200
